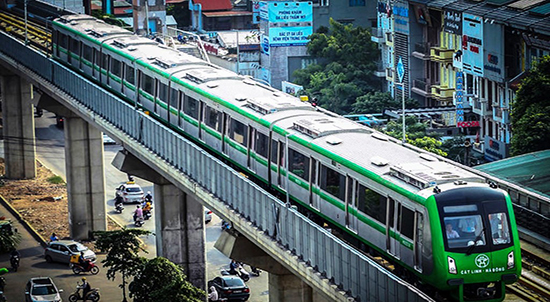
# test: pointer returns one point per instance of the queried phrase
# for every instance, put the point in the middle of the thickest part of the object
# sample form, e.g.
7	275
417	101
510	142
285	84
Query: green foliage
346	61
180	13
161	280
531	111
415	134
377	102
56	180
122	248
9	239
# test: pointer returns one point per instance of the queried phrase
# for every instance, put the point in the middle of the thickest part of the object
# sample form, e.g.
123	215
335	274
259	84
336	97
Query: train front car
476	244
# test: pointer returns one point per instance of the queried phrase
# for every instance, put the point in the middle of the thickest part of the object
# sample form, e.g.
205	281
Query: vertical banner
459	98
472	44
401	17
255	12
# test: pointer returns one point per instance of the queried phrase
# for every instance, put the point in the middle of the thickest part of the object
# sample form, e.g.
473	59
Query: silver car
130	192
63	250
42	289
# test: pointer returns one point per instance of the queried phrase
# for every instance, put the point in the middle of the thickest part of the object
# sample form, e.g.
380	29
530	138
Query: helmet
83	278
148	192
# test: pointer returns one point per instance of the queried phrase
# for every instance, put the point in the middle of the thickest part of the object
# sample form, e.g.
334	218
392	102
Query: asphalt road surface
50	148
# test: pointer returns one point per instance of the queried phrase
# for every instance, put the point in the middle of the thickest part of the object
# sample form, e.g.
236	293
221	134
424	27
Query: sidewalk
34	265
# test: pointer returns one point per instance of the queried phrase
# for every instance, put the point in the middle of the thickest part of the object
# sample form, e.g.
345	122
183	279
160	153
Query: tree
377	102
161	280
9	237
415	134
346	61
531	111
122	248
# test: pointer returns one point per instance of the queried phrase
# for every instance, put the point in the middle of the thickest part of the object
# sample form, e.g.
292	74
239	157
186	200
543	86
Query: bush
56	180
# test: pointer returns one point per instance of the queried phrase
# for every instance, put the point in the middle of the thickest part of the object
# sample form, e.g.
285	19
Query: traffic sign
400	69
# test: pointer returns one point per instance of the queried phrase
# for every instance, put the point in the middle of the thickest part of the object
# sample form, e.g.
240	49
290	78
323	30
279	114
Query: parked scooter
93	295
92	268
237	271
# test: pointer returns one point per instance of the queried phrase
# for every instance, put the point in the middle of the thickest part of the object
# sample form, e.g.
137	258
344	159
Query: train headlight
452	265
511	262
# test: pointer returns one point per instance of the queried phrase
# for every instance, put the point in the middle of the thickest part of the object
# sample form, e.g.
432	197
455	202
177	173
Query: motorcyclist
118	200
147	207
85	286
233	266
84	262
138	213
149	197
14	253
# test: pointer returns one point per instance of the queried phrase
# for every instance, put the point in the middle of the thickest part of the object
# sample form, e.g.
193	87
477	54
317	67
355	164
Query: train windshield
468	228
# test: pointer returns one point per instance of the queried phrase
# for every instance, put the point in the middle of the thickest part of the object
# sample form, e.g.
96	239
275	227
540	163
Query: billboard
472	44
255	12
452	22
290	12
289	36
493	59
288	23
401	17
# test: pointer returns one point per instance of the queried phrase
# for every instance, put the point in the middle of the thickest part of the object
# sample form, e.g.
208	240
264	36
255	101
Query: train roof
344	141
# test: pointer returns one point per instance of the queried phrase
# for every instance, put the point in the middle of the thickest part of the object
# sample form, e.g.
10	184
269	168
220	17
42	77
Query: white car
107	140
130	192
42	289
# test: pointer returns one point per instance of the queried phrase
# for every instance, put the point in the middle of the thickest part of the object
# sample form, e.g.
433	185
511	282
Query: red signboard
468	124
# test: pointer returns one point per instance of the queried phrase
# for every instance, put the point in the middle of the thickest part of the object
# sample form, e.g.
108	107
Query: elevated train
444	225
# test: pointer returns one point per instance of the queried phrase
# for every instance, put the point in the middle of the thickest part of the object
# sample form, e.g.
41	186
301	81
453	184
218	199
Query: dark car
231	288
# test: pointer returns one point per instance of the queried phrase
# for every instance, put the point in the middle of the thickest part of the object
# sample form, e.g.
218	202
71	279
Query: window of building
356	2
238	132
371	203
333	182
298	164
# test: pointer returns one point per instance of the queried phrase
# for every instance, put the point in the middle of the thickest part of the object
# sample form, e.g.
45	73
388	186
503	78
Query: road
50	151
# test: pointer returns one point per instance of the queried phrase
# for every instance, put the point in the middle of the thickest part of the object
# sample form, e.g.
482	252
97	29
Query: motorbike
147	214
255	271
119	208
138	221
14	260
239	271
2	297
225	225
2	283
93	295
92	268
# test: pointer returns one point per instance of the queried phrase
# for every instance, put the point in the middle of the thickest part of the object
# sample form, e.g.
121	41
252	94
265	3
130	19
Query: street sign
400	69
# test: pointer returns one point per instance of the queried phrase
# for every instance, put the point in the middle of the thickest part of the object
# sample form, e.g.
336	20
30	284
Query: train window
191	107
371	203
460	209
62	41
333	182
104	63
163	92
238	132
274	153
500	232
212	118
97	57
461	231
87	53
299	164
261	144
174	96
130	74
75	46
147	84
406	222
115	67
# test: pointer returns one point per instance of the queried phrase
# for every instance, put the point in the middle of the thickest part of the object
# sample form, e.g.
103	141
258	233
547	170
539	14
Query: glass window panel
298	164
163	92
333	182
261	144
406	225
191	107
147	84
130	74
174	96
500	232
371	203
115	67
238	132
87	52
213	118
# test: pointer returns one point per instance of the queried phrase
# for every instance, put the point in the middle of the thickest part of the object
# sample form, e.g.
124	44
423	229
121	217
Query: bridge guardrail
345	267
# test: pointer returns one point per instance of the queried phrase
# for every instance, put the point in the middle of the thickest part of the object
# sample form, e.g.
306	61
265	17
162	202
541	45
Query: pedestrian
54	237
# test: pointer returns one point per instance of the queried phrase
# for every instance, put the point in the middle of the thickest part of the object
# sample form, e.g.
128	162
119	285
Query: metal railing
333	259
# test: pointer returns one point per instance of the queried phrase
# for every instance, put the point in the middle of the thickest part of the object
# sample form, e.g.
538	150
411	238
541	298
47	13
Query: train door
278	158
351	203
418	240
391	244
180	115
225	121
314	183
251	162
202	117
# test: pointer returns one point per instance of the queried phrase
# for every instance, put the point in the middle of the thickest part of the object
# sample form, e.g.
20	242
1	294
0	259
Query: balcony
422	87
443	93
380	71
441	55
389	74
422	51
389	39
378	35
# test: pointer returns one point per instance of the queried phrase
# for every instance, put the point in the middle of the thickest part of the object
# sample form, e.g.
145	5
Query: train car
442	224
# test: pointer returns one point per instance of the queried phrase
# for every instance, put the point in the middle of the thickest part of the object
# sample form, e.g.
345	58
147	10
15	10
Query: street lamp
403	109
401	74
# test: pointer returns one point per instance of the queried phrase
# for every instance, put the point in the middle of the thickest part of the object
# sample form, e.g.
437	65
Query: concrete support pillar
85	178
180	231
18	123
289	288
